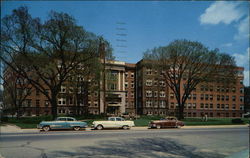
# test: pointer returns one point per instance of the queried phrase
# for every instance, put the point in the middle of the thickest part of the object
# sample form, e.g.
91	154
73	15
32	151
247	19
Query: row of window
162	94
220	89
211	97
160	103
150	83
131	75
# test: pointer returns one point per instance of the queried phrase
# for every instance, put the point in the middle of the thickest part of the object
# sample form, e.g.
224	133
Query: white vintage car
113	122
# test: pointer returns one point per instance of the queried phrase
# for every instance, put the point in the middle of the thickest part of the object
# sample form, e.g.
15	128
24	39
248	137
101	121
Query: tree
185	64
51	50
16	91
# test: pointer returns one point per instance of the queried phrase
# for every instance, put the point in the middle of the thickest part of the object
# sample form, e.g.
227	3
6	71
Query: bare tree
51	50
185	64
16	91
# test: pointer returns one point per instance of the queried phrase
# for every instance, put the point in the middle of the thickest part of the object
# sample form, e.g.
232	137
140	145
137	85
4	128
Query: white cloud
243	61
243	29
222	12
227	45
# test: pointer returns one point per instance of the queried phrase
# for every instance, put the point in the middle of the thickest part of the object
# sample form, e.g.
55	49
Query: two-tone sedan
165	123
62	123
113	122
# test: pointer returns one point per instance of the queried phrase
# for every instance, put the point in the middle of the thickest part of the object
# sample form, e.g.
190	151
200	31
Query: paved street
143	143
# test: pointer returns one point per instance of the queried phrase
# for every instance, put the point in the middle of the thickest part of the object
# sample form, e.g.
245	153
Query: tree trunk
181	110
54	105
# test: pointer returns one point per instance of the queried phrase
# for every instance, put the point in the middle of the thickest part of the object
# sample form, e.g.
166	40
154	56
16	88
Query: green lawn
31	122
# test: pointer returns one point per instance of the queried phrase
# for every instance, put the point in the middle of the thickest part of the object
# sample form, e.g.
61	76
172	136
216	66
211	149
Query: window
222	106
148	82
194	96
162	94
233	106
241	81
155	93
119	119
148	103
132	94
61	101
126	74
132	84
227	98
132	75
241	98
194	105
202	105
222	98
218	106
162	103
218	97
234	98
211	97
172	105
155	83
202	96
162	84
171	95
70	119
63	89
126	84
206	88
148	93
241	107
112	86
61	118
206	96
149	71
233	89
226	106
218	88
241	90
206	106
211	106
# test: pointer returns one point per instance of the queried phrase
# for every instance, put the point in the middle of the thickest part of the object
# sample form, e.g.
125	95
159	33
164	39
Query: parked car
62	123
113	122
166	122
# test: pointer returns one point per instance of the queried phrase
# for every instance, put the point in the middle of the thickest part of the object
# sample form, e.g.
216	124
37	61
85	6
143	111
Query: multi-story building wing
212	99
130	89
137	89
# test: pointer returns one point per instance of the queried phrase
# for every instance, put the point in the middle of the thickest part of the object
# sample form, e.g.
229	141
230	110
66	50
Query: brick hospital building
136	89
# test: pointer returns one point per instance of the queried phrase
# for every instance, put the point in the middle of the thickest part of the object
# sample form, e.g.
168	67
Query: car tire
99	127
158	126
125	127
77	128
46	128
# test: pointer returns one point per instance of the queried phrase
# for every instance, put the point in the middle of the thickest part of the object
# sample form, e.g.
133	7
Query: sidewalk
16	129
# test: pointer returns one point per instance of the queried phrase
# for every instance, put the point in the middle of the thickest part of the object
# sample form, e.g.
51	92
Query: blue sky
148	24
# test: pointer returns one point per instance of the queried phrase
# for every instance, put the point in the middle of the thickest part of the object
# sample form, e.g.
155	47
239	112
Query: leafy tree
185	64
50	50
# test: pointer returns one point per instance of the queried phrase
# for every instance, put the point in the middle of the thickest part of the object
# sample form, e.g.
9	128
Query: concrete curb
15	129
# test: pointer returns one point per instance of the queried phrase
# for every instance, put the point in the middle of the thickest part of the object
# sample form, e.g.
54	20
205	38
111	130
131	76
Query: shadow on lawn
138	148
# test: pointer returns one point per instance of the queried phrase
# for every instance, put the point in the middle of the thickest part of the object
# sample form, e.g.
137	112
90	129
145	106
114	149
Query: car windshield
70	119
61	119
111	119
